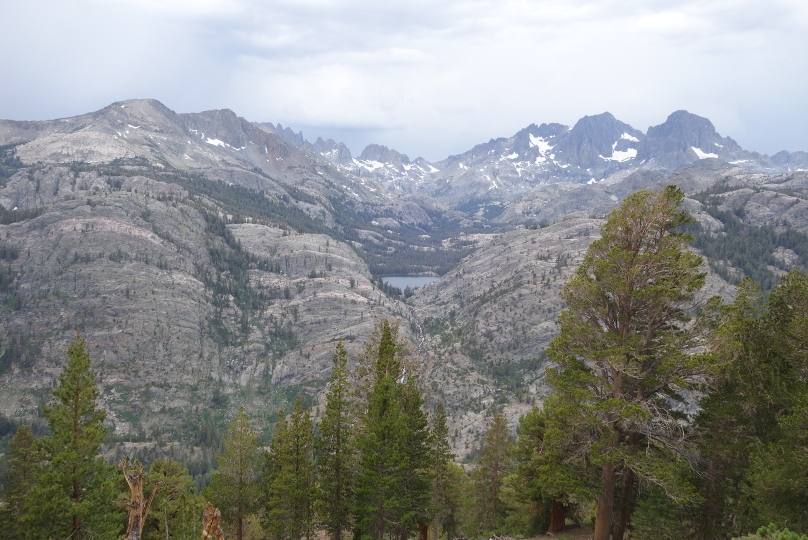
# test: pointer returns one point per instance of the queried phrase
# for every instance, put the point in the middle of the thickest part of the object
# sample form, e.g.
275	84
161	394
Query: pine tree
441	457
234	489
546	478
22	466
393	484
623	354
176	508
74	494
753	423
335	451
495	464
290	470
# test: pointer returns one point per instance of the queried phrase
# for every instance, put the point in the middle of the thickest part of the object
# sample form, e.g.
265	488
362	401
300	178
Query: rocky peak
382	154
684	138
217	125
335	152
596	139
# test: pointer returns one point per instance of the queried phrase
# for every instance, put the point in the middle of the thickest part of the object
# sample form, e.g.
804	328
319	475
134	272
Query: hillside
211	262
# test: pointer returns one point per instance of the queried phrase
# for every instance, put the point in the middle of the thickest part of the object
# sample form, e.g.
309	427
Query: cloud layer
428	78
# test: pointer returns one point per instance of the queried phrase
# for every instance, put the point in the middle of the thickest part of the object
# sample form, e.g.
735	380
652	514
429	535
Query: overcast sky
428	78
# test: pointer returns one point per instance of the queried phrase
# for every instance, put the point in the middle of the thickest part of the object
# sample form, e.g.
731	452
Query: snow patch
133	127
512	156
718	145
216	142
592	181
628	137
703	155
540	143
620	156
462	166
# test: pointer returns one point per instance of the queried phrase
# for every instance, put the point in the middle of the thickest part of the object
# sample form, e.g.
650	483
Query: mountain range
213	262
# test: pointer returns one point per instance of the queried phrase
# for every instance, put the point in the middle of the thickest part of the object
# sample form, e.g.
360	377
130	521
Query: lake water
403	282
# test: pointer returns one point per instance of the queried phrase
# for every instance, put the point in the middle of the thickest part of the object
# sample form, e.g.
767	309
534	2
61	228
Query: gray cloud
428	78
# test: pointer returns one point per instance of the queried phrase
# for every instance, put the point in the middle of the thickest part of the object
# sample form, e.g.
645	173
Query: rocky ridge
202	286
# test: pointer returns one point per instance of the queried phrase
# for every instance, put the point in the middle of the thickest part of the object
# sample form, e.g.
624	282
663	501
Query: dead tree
138	505
211	529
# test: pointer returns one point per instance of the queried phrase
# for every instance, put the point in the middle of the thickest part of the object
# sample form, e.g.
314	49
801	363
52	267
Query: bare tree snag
210	523
138	505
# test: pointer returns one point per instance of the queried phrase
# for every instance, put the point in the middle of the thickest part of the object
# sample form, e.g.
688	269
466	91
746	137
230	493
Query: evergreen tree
290	470
234	488
623	352
495	464
441	457
393	484
335	451
176	509
545	478
753	422
74	494
22	466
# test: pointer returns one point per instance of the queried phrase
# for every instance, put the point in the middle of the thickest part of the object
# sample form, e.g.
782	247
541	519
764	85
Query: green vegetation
9	163
746	247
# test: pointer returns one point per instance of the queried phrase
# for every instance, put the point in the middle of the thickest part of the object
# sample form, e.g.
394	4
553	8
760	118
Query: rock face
684	138
598	148
211	262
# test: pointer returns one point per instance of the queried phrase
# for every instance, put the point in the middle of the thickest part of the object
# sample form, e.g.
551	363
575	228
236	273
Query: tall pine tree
495	464
393	485
290	470
440	462
335	451
625	351
74	495
234	487
22	466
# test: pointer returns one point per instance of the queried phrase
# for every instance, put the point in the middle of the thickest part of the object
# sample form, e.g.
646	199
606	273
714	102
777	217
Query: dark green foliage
623	353
230	278
749	248
389	290
289	478
441	456
22	468
18	350
9	163
8	217
234	487
394	483
752	423
176	509
75	491
335	451
495	464
772	532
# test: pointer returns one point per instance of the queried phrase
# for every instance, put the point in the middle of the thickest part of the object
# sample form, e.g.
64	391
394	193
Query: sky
428	78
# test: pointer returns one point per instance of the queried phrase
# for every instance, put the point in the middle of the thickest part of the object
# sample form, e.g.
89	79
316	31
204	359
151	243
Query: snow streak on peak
621	156
703	155
540	143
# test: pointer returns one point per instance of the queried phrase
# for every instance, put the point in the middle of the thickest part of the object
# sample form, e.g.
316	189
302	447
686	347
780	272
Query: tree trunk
137	503
423	531
211	529
557	516
603	517
625	505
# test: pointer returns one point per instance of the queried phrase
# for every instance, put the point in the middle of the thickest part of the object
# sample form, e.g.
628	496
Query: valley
213	263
